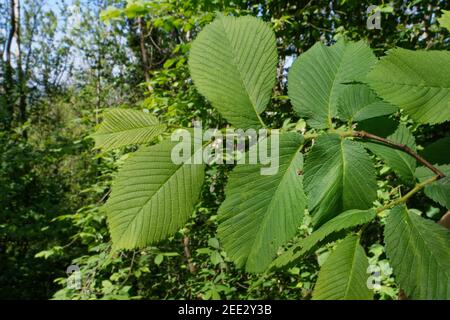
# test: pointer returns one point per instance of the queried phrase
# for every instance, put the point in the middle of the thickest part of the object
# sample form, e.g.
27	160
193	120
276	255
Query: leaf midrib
413	226
150	127
347	285
235	65
333	83
162	185
269	206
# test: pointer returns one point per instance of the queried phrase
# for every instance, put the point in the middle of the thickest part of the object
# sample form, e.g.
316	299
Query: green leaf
317	77
135	9
339	176
444	20
216	258
213	242
381	126
152	197
159	259
438	191
233	63
346	220
122	127
402	163
416	81
438	152
418	251
110	13
344	276
357	103
261	212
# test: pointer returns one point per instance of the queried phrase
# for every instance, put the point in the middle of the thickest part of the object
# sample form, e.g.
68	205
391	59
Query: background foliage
79	58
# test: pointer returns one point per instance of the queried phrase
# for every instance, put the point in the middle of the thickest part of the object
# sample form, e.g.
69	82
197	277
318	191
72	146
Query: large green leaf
339	176
344	276
262	212
317	77
416	81
346	220
358	103
402	163
122	127
439	191
438	152
233	63
444	20
152	197
418	251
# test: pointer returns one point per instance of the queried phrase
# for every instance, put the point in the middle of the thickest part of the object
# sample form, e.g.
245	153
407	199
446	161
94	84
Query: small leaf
416	81
159	259
122	127
344	276
438	191
444	20
216	258
213	242
418	251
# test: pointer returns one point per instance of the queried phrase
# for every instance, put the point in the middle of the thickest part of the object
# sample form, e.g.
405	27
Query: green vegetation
91	91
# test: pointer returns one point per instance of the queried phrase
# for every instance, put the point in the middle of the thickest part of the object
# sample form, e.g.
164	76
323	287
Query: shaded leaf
357	103
344	276
381	126
438	152
444	20
438	191
402	163
418	251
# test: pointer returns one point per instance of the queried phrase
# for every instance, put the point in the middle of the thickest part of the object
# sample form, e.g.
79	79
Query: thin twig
129	271
399	146
406	197
395	145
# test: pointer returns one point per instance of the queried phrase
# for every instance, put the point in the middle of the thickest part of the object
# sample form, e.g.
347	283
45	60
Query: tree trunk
144	53
9	80
21	117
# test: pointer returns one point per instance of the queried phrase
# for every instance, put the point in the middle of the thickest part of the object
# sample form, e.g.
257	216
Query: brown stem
187	254
399	146
445	220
